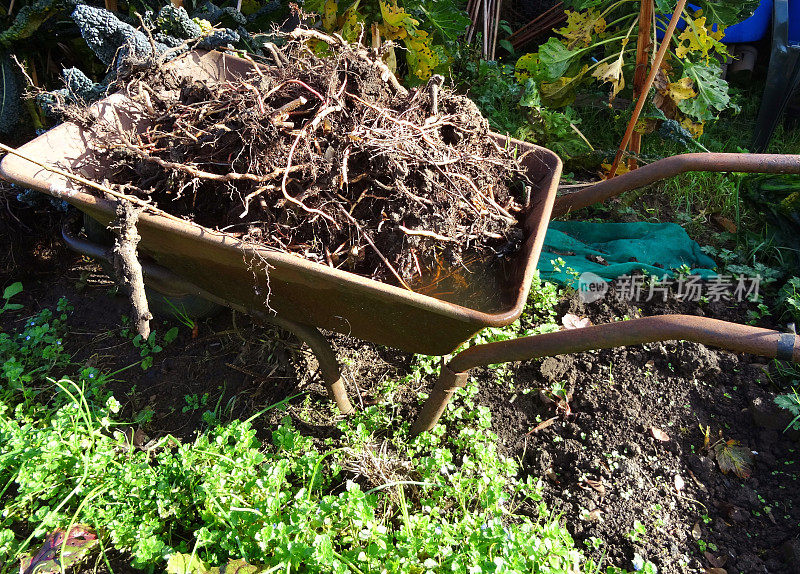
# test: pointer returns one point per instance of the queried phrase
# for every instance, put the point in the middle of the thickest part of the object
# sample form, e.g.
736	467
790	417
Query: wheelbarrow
181	257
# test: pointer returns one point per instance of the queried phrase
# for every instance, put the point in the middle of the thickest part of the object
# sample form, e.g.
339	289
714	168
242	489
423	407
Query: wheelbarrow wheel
161	304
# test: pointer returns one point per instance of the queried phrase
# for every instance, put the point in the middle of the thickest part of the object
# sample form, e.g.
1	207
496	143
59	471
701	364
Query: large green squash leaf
727	12
712	91
555	58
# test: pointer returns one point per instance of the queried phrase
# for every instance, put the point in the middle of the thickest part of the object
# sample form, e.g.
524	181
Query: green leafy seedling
790	402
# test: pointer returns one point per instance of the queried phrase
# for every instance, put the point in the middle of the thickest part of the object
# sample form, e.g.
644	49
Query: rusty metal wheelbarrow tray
261	280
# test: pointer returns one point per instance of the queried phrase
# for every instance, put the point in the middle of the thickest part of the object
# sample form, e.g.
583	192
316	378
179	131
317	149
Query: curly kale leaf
10	95
228	17
175	21
111	39
264	17
673	131
218	38
29	18
79	89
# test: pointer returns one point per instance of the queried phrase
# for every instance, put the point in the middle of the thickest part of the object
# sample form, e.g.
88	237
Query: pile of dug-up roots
329	158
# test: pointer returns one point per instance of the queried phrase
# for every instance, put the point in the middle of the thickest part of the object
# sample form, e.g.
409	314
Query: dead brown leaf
697	532
724	222
593	516
732	456
715	561
543	425
571	321
595	485
659	434
140	438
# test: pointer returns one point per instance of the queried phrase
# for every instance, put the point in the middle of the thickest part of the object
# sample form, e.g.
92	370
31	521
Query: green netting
611	250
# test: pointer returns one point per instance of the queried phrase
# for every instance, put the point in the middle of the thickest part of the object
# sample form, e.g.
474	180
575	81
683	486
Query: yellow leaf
621	168
394	15
393	32
696	38
420	56
612	73
526	65
580	27
681	90
351	23
562	91
329	15
694	128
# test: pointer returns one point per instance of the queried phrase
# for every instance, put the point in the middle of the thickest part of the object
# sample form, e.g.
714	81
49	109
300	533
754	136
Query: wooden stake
662	51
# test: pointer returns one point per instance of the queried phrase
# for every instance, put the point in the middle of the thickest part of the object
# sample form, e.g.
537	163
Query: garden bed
605	467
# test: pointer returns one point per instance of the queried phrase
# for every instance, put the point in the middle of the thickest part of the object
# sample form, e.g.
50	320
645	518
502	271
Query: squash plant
427	30
598	43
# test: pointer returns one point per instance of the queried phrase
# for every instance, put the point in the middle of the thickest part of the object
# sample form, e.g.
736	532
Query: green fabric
657	248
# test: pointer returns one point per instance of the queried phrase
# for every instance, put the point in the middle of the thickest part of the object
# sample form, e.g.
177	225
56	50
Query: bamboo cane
662	51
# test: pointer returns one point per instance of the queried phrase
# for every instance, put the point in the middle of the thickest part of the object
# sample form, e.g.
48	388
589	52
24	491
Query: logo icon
591	287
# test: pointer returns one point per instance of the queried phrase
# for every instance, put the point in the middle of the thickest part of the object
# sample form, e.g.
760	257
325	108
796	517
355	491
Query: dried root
127	266
328	158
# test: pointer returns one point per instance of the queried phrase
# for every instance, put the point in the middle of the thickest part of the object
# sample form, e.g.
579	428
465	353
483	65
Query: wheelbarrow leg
328	365
447	384
319	345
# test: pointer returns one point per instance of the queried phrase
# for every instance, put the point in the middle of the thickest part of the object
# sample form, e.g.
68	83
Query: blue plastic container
751	29
794	22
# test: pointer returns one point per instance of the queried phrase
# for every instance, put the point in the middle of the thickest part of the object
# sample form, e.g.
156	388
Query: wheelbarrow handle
712	332
675	165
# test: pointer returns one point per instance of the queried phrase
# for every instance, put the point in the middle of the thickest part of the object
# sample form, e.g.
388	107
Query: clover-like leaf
731	456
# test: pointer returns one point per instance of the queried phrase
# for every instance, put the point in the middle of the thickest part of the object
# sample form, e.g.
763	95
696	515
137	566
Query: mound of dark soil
607	467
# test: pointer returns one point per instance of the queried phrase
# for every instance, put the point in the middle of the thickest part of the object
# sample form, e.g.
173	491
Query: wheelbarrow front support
166	281
712	332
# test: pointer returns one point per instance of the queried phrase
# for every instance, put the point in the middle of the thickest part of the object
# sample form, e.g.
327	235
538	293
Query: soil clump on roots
328	158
